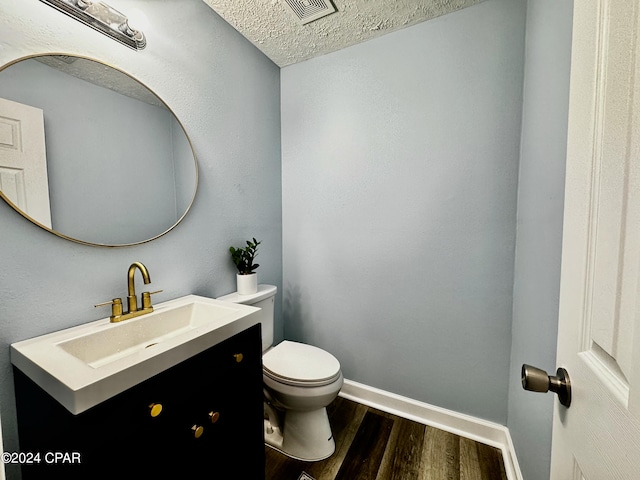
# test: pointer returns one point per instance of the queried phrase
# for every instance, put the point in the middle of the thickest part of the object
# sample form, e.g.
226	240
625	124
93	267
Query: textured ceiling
102	76
273	27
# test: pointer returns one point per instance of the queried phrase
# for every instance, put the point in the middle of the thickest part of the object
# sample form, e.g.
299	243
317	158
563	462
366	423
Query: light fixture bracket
101	17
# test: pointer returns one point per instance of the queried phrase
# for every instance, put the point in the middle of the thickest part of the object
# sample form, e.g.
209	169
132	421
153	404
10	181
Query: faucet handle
146	298
116	307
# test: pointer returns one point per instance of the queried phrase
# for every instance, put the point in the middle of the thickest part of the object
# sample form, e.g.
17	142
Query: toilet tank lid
264	291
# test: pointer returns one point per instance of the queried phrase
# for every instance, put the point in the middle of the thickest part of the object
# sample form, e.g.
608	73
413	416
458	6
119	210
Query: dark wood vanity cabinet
209	421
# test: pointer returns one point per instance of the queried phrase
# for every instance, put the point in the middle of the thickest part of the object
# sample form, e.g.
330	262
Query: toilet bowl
300	380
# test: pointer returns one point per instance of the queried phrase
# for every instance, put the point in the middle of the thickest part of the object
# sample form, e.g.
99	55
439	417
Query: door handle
537	380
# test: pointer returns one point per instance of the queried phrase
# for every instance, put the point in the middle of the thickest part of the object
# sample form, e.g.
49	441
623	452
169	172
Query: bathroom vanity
203	415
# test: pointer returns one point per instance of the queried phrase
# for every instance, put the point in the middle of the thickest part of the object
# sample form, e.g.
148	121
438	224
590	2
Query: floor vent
309	10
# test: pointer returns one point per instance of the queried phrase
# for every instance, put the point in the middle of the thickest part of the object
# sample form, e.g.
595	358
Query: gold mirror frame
164	104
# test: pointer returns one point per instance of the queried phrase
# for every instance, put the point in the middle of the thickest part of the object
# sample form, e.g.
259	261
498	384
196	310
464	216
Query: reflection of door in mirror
23	162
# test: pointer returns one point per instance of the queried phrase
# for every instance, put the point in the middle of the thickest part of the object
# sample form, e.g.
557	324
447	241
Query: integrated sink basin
83	366
110	344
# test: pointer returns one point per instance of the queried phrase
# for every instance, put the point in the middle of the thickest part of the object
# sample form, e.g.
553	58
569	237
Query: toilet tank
264	298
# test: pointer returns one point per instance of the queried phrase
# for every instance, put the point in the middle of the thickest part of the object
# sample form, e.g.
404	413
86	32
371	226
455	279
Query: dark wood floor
374	445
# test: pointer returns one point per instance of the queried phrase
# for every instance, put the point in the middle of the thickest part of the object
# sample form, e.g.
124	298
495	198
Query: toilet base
306	435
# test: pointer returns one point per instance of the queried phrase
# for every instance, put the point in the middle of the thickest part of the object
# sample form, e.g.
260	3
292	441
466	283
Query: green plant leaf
243	257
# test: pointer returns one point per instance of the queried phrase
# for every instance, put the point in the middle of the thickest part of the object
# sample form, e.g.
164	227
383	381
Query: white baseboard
467	426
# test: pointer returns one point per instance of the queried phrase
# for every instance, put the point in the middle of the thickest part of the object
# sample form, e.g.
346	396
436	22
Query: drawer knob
238	357
155	409
197	431
214	416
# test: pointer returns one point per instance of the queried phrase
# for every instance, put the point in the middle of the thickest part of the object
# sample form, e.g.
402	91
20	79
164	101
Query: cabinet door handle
239	357
214	416
155	409
198	430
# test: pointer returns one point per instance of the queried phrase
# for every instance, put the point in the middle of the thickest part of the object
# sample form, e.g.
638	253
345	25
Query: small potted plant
243	258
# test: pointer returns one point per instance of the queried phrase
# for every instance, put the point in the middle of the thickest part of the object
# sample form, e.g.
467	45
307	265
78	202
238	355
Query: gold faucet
132	300
117	315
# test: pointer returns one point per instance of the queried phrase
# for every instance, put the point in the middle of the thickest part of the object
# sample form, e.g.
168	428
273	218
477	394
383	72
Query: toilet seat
298	364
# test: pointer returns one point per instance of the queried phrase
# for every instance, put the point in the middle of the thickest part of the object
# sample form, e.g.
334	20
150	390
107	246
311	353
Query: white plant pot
247	284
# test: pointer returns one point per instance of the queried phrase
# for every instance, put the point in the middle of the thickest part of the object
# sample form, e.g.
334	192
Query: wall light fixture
102	17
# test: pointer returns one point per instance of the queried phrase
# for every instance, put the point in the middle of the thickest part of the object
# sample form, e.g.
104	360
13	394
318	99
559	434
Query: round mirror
90	154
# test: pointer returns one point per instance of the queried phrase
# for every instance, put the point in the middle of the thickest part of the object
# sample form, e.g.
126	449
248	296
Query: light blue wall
400	169
227	95
539	238
184	175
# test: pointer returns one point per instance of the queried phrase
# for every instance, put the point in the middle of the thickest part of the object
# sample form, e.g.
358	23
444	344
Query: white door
598	436
23	164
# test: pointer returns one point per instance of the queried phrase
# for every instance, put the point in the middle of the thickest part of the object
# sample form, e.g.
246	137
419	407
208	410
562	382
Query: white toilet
299	382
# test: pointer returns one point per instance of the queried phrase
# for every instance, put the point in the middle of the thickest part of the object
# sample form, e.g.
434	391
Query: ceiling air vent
65	58
309	10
